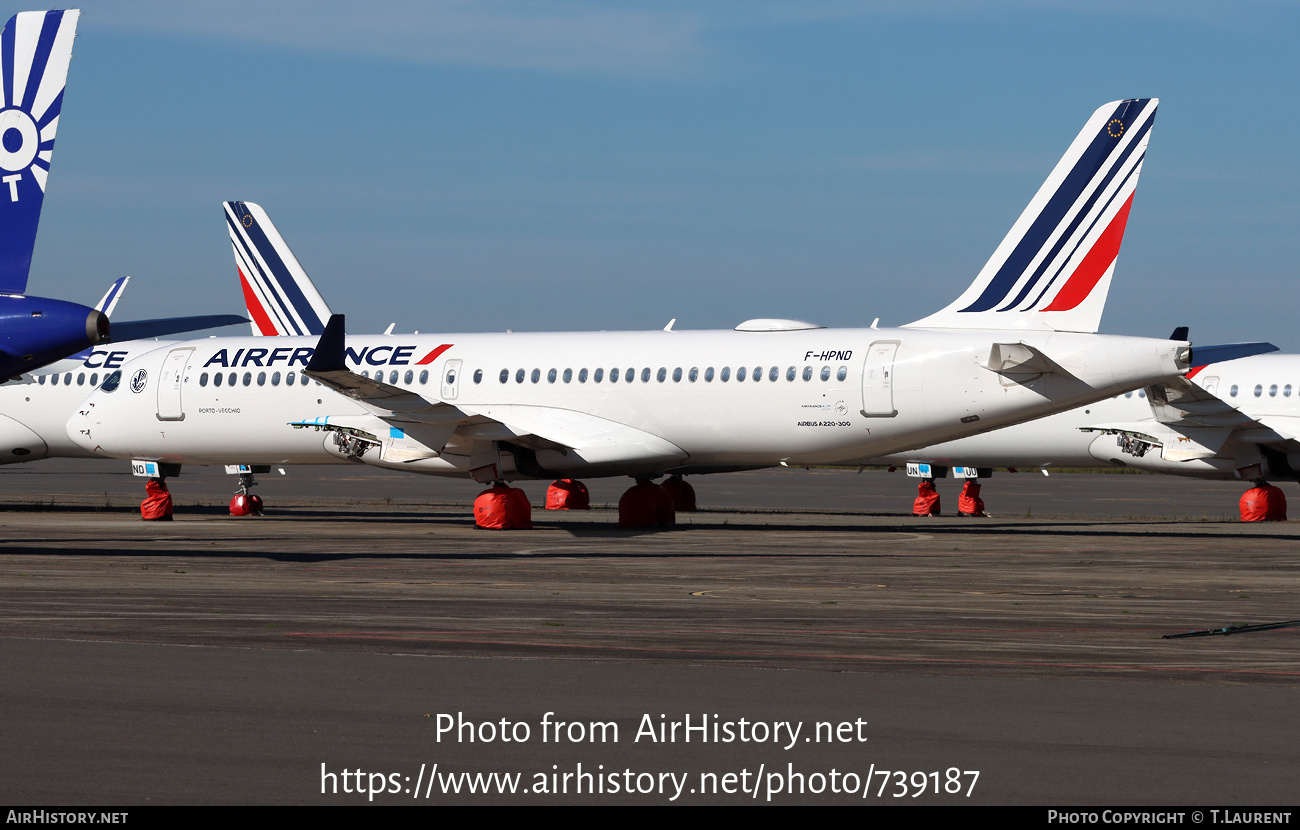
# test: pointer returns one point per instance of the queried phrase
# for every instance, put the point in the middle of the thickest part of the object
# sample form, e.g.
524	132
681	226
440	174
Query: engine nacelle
35	331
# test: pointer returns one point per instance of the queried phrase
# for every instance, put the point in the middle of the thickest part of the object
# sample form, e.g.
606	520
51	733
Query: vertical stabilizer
35	49
281	299
1053	270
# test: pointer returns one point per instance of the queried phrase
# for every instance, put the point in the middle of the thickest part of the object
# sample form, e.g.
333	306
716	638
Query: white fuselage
1264	387
700	401
34	409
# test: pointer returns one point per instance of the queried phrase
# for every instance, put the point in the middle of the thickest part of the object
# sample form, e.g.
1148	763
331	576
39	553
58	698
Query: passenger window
248	378
613	376
216	379
1272	391
741	373
1130	394
231	379
81	379
726	374
1259	390
582	375
54	380
290	378
789	373
600	373
773	373
67	379
550	376
261	378
478	376
758	373
568	376
275	379
826	373
409	377
203	379
630	375
424	376
842	373
392	377
708	375
41	380
807	373
694	374
645	375
1286	391
519	376
94	378
505	375
303	380
1142	393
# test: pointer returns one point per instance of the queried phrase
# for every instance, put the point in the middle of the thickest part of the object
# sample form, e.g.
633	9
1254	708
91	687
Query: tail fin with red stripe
281	299
1053	270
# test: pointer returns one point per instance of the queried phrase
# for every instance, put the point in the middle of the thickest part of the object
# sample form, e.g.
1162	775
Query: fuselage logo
138	380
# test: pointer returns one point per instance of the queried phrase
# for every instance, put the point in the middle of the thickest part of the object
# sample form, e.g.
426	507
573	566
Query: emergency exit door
170	382
878	380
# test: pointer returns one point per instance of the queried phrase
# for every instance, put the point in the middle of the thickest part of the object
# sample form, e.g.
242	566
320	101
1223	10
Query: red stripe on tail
1094	265
254	306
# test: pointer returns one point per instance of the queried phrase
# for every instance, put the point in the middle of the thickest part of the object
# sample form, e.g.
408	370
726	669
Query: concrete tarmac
219	660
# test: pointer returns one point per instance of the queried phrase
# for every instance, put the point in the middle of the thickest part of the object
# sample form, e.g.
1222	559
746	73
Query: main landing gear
502	507
1263	502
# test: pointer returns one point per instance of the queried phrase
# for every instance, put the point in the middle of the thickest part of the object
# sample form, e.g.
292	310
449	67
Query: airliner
1019	343
35	50
1235	419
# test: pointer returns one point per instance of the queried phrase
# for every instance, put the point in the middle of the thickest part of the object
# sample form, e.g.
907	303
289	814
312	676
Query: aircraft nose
81	426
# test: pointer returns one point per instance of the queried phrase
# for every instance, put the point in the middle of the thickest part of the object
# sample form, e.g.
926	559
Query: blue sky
478	166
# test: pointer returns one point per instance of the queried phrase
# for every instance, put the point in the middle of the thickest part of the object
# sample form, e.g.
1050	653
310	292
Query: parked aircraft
1236	419
35	49
1020	343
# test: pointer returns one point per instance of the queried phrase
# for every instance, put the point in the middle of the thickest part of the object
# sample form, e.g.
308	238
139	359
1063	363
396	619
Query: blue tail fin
35	48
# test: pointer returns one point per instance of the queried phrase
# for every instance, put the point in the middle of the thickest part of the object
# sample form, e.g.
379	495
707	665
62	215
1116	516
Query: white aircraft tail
280	298
1053	270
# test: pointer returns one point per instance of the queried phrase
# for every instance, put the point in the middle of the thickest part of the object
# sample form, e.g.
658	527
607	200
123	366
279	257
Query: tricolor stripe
280	297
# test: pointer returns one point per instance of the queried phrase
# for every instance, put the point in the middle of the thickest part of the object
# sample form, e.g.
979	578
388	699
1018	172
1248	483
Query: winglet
110	298
330	354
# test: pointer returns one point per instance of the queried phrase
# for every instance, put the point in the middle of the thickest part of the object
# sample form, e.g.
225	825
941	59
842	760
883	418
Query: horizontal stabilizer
1021	363
1205	355
145	329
